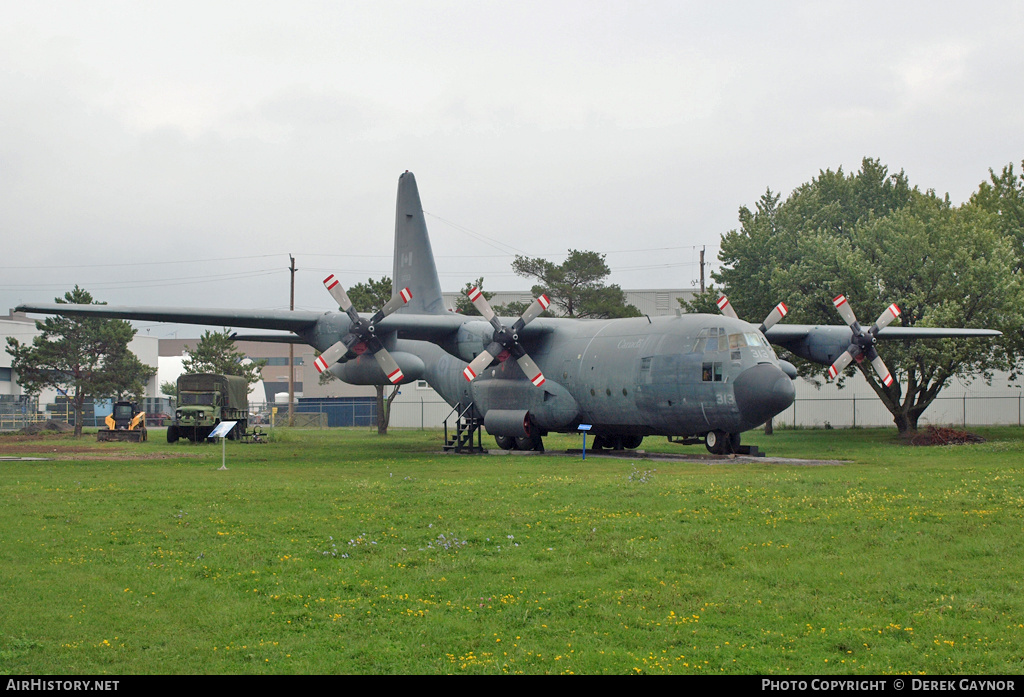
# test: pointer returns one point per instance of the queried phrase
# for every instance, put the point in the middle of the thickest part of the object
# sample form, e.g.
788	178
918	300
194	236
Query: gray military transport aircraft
691	377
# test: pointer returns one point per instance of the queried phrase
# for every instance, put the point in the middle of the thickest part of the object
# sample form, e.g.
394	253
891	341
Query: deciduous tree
1003	197
877	240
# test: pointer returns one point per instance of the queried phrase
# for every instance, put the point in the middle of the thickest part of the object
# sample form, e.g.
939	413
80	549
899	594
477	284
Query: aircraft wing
423	327
824	343
782	333
286	320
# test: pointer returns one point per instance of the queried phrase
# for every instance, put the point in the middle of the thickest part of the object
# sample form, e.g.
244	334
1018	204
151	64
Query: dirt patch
95	455
45	426
65	447
935	435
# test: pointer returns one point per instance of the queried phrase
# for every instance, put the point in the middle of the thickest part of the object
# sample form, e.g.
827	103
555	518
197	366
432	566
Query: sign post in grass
584	428
221	431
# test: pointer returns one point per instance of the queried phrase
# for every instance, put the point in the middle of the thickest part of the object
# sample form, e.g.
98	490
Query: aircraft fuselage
681	375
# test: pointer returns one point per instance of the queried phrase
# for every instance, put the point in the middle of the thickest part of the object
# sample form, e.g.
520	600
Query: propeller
863	342
773	317
505	341
361	335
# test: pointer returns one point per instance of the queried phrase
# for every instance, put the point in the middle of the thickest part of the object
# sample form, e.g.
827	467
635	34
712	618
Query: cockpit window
747	339
711	339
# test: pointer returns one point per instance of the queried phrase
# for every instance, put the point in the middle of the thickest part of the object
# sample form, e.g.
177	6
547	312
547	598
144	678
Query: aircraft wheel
600	442
632	442
717	442
531	442
172	434
506	442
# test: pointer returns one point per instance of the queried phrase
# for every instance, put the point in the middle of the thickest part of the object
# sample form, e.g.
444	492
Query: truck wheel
172	434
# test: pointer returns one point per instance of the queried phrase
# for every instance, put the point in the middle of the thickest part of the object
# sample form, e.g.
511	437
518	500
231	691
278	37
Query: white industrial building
23	328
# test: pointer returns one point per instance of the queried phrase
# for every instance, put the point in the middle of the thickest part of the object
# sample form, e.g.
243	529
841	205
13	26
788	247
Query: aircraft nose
762	392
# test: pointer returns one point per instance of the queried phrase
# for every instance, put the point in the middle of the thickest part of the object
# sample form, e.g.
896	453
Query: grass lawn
343	552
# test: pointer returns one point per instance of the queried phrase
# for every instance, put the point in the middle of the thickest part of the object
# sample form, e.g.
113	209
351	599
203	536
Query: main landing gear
617	442
530	442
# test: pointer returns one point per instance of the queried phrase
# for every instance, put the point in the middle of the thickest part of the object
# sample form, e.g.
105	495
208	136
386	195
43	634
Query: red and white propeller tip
777	313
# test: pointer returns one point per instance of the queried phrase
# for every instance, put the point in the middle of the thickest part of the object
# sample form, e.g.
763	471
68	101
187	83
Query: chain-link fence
806	412
853	412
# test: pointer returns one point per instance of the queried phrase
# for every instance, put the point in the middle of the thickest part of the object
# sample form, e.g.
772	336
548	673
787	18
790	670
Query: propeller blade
726	308
845	311
883	372
774	316
476	296
478	364
891	313
536	307
531	370
403	297
329	357
389	366
337	292
844	360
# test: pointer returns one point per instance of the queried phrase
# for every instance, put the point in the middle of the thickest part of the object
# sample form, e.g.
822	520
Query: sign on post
221	431
584	428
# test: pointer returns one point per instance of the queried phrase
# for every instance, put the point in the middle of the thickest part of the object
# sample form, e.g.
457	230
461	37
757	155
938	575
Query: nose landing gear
722	443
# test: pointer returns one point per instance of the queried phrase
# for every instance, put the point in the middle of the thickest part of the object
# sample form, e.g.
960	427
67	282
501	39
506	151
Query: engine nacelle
364	369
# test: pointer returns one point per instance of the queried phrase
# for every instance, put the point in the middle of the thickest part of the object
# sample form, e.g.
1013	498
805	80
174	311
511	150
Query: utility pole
702	269
291	355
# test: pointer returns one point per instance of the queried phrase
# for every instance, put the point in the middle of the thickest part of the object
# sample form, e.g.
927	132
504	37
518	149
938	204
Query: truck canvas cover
235	388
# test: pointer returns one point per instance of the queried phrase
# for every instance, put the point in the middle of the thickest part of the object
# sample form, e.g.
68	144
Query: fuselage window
711	372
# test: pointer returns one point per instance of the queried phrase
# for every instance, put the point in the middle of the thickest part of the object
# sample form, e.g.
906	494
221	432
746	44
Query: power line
192	261
150	283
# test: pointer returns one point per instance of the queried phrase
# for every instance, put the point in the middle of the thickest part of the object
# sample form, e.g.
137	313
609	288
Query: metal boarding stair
467	425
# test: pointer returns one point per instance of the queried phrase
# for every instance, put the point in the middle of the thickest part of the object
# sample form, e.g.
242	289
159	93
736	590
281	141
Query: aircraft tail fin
414	260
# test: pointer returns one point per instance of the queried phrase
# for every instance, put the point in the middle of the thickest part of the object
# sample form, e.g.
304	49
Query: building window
5	375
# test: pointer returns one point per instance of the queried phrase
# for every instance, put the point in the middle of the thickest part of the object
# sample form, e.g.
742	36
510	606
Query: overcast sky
176	153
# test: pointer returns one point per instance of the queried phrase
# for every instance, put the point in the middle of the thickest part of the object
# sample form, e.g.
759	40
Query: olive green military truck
204	400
